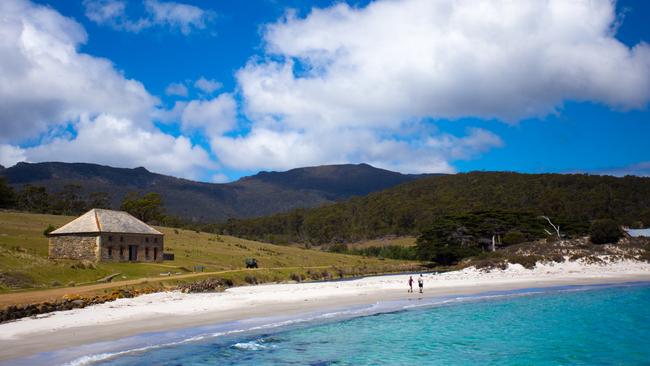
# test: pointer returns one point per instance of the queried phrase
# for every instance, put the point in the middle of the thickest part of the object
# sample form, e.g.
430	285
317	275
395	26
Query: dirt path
29	297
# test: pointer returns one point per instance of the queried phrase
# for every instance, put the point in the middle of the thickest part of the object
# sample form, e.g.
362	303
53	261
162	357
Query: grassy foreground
24	264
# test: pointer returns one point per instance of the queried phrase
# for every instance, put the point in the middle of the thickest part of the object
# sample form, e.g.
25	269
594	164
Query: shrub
513	237
604	231
338	248
251	280
527	261
48	230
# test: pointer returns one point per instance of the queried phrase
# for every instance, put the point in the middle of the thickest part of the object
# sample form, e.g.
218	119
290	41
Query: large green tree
148	208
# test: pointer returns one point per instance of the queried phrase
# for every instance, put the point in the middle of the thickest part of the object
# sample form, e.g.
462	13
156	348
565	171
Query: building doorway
133	252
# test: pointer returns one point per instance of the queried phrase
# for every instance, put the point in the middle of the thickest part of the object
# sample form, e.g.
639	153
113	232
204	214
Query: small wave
251	346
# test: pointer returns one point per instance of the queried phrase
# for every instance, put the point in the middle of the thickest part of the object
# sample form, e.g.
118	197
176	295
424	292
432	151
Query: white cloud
207	86
45	80
121	143
214	116
176	89
182	17
10	155
394	60
267	148
342	84
220	178
52	93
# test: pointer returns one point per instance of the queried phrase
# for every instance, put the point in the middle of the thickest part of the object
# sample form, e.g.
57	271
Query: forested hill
570	200
262	194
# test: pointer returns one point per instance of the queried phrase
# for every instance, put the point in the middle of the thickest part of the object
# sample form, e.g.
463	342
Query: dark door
133	252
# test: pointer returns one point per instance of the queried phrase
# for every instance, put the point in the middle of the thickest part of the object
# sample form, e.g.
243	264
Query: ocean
572	325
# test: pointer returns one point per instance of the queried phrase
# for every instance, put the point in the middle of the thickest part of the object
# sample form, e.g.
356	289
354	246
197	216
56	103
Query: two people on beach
420	283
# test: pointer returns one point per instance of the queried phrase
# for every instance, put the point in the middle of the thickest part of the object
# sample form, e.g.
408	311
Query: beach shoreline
170	311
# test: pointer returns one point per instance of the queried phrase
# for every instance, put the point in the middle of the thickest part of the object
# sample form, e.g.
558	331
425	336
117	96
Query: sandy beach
176	310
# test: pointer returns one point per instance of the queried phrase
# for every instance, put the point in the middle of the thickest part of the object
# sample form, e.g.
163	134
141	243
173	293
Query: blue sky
405	85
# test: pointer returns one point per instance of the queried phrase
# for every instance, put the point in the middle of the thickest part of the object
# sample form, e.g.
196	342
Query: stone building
106	235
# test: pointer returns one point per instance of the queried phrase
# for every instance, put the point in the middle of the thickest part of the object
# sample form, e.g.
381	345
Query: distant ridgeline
73	188
485	203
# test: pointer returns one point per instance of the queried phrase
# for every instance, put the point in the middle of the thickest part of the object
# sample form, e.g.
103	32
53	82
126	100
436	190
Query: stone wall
115	247
73	246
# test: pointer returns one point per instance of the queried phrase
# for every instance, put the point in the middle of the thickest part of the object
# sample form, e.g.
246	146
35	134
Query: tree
34	199
438	245
605	231
68	201
556	228
7	194
99	200
148	208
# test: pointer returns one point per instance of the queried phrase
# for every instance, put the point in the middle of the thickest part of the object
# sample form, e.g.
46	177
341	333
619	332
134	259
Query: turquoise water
602	325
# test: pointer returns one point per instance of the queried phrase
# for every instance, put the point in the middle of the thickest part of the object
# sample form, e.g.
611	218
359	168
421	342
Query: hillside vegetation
571	201
72	188
24	263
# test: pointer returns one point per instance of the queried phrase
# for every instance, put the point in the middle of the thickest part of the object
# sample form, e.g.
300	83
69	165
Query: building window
155	240
110	238
121	252
110	252
146	240
146	252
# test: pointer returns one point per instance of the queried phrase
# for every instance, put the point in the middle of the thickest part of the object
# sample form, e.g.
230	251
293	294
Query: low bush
604	231
48	229
513	237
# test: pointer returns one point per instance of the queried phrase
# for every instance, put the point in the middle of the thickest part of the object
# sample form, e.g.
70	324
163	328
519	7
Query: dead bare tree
556	228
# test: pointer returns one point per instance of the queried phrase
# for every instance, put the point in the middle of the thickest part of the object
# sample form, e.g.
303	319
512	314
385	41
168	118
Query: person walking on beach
410	283
421	283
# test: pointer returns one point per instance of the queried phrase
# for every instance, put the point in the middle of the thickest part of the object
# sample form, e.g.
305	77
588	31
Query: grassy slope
24	263
401	241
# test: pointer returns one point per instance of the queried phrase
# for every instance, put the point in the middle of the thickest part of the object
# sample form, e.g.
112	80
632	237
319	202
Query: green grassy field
24	264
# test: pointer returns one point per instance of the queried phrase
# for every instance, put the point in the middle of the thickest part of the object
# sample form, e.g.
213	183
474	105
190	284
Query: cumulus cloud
176	89
45	80
342	83
207	86
214	116
425	153
10	155
444	59
78	107
183	17
121	143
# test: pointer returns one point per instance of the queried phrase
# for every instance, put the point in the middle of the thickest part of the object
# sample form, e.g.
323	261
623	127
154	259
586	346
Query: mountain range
262	194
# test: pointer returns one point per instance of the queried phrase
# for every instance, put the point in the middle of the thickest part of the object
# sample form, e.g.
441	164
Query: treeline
573	201
70	200
388	251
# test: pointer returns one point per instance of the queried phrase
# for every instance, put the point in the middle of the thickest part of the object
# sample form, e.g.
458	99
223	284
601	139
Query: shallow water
582	325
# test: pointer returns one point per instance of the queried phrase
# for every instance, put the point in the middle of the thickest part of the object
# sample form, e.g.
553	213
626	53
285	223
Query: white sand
170	310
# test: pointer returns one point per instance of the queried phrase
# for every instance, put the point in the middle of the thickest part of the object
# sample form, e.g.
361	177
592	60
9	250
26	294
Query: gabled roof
105	221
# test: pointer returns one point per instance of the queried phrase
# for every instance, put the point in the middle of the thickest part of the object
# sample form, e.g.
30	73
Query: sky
216	90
